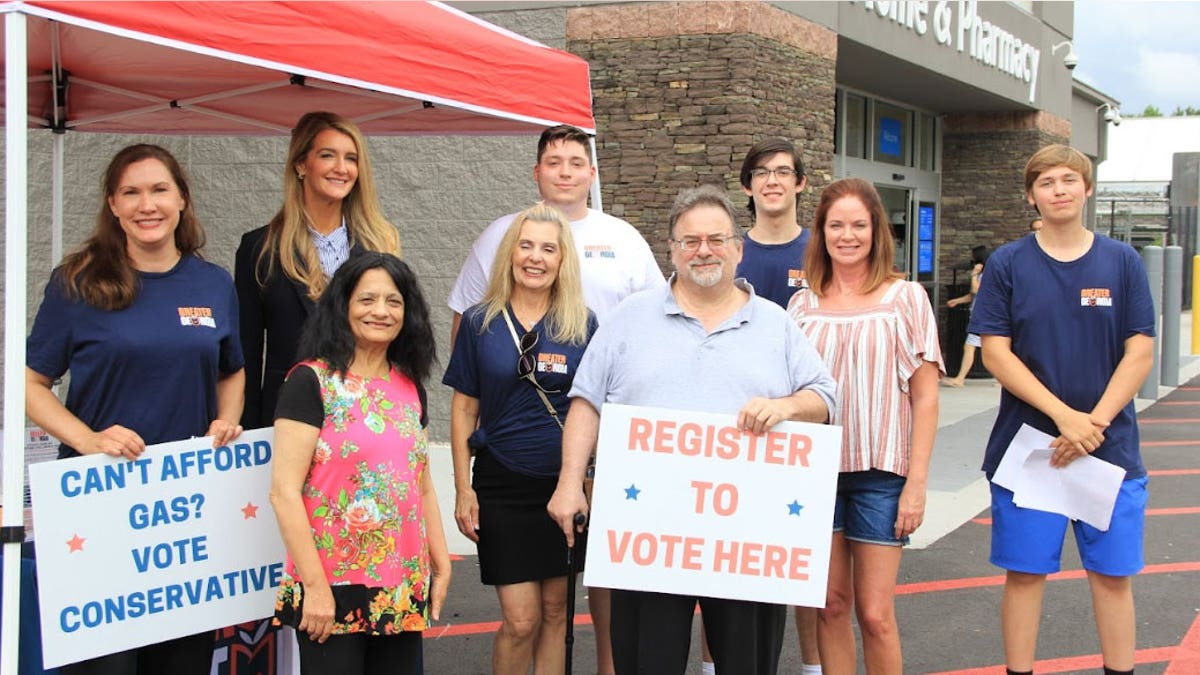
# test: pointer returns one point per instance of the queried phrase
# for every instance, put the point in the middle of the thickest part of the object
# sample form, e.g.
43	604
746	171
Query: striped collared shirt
333	249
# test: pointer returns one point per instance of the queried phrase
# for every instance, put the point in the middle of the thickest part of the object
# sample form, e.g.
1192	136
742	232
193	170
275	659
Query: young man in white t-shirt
614	259
614	262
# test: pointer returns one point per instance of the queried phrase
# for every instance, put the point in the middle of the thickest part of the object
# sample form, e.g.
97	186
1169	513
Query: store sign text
958	25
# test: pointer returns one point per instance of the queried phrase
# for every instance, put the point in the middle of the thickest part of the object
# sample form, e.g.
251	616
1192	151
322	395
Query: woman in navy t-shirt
149	333
511	369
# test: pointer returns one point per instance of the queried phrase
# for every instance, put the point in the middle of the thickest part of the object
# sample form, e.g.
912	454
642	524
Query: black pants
191	655
652	633
356	653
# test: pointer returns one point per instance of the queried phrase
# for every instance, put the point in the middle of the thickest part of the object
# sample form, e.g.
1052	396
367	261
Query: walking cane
571	574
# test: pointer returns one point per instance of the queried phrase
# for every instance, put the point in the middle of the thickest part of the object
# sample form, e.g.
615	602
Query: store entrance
911	200
914	224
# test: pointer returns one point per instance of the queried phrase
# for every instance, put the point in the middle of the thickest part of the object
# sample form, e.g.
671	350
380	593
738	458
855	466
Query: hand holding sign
116	441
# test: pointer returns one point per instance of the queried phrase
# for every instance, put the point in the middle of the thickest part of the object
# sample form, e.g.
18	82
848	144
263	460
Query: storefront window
928	136
892	127
856	126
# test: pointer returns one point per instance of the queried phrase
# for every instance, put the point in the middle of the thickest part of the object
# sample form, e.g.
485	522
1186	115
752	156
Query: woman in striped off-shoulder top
878	336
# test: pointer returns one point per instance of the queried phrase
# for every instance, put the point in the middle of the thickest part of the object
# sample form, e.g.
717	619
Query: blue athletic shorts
866	505
1031	541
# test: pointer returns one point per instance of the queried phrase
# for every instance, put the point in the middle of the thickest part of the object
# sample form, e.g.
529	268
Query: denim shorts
1031	541
866	505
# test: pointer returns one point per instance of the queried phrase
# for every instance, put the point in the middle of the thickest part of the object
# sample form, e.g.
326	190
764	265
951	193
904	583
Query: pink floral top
363	498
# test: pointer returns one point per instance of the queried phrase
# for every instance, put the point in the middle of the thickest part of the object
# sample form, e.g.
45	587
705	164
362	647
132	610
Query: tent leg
16	150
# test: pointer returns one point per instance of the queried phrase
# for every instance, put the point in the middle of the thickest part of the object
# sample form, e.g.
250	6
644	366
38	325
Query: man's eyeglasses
782	173
526	362
715	243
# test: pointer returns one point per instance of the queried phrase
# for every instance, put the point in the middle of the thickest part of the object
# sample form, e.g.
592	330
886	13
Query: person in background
979	256
773	177
367	564
330	208
878	335
1068	330
148	331
511	370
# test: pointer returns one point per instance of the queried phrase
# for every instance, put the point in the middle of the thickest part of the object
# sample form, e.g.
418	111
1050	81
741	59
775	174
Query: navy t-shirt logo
197	316
552	363
797	279
1095	297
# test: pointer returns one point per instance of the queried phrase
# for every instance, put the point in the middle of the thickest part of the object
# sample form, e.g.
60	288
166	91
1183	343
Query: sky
1141	53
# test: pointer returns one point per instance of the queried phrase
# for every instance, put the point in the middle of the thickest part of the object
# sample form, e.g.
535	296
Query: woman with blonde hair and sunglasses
511	369
330	209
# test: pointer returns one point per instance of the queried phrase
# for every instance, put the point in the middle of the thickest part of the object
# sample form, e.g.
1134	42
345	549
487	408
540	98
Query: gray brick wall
440	192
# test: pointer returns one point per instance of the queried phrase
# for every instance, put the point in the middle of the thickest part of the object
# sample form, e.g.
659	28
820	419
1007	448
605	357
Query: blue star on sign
794	508
632	492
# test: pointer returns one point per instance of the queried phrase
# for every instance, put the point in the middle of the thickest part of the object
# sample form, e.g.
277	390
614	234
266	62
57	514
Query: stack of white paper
1086	489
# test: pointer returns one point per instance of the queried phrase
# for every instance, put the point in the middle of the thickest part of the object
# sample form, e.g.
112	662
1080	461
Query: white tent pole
596	203
15	191
56	199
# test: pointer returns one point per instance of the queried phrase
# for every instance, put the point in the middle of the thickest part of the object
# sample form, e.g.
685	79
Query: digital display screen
924	257
925	222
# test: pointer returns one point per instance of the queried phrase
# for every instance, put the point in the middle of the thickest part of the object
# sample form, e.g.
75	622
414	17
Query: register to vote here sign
686	503
179	541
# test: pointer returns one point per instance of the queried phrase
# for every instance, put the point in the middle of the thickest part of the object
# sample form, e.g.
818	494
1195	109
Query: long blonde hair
287	233
567	318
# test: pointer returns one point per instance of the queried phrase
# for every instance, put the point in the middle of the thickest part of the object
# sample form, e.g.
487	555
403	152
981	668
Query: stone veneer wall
682	90
983	189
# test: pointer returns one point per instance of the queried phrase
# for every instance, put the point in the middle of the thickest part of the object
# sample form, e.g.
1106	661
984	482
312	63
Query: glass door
897	203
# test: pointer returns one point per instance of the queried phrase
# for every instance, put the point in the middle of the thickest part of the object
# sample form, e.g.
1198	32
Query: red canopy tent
246	67
243	68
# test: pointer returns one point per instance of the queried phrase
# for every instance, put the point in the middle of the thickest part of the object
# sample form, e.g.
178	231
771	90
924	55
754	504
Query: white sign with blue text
179	541
686	503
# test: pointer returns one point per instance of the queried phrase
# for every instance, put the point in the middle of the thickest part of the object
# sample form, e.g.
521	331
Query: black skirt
518	541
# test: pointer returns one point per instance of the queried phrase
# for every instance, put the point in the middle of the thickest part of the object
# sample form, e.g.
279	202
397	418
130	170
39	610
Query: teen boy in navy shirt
773	177
1068	329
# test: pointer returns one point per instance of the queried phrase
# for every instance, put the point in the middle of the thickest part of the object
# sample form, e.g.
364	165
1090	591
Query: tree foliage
1152	110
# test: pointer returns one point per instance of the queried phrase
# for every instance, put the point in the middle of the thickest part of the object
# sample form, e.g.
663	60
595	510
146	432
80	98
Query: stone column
682	90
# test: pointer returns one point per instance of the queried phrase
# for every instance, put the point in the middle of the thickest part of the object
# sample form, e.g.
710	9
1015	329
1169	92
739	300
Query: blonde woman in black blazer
329	203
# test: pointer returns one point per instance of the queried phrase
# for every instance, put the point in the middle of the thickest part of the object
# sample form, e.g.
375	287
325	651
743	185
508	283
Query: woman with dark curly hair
367	564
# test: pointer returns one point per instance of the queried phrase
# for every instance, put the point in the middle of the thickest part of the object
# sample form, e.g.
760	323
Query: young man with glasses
614	260
759	366
773	177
